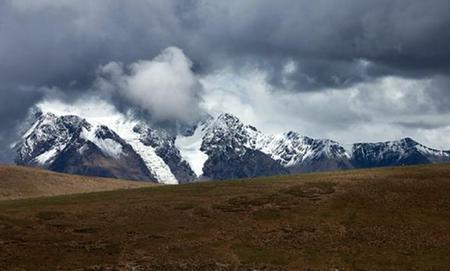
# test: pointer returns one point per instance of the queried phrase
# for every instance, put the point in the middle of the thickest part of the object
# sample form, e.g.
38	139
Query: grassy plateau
376	219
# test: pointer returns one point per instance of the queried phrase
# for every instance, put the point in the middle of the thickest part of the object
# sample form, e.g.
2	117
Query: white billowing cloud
385	109
165	87
93	109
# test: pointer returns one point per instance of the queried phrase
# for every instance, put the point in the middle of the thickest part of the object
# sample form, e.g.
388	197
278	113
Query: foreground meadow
377	219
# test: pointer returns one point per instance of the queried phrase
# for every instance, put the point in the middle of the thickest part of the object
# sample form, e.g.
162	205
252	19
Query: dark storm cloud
48	42
13	106
439	92
332	43
327	38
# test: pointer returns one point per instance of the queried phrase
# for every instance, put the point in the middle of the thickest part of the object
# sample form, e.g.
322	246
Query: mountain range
220	147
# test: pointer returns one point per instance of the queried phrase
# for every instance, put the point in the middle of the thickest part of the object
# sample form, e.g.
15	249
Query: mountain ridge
220	147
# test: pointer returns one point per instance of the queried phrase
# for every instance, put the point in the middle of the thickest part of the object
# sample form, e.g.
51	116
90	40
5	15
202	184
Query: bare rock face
251	163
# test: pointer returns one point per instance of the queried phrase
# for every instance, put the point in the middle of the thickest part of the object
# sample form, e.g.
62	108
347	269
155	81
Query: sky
348	70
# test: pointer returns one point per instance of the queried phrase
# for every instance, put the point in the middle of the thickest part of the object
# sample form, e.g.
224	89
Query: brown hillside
24	182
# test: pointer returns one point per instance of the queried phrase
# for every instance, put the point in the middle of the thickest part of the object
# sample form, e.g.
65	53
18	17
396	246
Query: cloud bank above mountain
165	87
353	70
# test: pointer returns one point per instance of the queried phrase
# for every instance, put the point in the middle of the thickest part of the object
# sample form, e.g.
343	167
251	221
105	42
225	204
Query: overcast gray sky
350	70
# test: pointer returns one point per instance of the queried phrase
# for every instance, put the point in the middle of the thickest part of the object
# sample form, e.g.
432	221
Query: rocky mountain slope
219	147
72	145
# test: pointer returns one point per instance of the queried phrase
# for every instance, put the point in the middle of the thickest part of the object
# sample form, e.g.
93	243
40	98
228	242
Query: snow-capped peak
48	136
227	130
292	148
226	133
51	133
401	148
219	133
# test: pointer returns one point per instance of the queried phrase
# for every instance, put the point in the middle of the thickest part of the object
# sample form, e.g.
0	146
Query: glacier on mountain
190	149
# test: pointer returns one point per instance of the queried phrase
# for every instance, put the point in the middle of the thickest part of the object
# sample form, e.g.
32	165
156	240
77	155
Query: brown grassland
377	219
25	182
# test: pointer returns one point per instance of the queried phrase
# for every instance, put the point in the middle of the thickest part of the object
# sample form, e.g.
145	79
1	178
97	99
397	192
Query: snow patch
46	157
155	164
107	146
189	147
30	131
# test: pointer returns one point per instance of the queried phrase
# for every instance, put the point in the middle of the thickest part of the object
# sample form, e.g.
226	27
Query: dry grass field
378	219
25	182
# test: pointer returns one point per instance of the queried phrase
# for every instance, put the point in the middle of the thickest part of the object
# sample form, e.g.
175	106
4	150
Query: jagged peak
223	120
47	118
292	134
408	141
227	117
227	123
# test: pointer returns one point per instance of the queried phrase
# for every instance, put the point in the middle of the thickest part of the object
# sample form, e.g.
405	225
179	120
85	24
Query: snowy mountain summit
220	147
